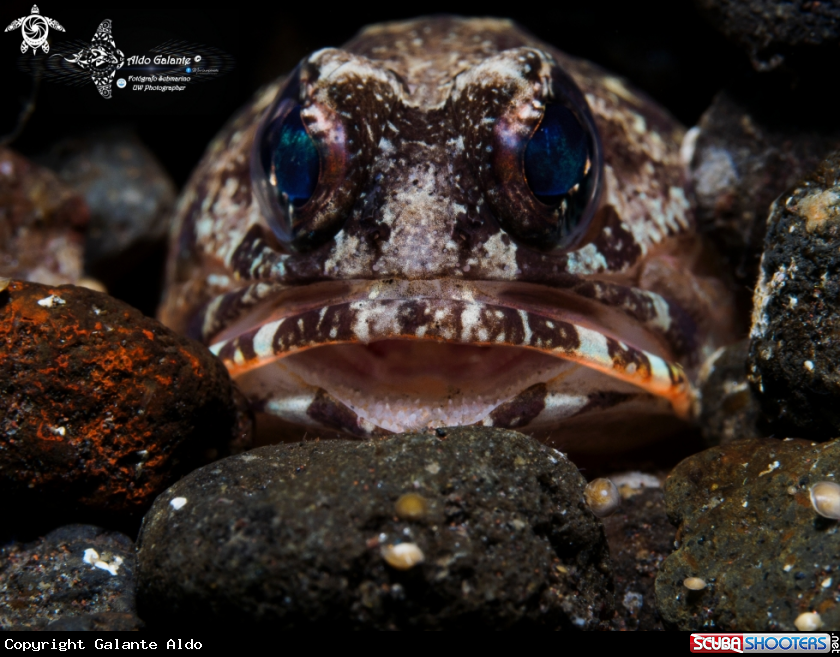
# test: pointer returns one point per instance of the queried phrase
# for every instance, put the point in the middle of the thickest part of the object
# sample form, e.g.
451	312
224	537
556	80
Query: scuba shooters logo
781	643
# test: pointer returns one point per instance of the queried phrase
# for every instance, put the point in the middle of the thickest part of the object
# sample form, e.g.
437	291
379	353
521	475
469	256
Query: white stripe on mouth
367	322
635	316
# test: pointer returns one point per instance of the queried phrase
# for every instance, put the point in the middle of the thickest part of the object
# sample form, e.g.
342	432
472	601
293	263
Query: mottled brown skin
424	231
101	408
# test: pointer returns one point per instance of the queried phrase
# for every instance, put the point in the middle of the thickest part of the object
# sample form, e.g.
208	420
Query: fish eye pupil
293	158
556	156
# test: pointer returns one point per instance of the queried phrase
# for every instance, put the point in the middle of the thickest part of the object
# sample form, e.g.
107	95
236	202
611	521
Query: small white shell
694	583
825	498
602	497
403	555
808	622
178	503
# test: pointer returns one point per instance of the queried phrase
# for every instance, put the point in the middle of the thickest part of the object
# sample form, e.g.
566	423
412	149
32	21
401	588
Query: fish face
444	223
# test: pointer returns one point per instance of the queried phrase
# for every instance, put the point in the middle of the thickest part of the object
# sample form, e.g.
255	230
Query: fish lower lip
456	322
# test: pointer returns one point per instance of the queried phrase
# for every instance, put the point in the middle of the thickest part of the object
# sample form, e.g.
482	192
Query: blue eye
556	156
543	173
304	176
293	158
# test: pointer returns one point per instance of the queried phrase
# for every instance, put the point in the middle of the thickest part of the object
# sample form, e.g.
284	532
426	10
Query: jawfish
447	222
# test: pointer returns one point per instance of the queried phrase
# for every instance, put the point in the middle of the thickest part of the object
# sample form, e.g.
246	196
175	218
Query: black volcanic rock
309	535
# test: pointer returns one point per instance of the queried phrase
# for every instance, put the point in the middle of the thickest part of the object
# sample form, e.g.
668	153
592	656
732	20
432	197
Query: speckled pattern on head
410	301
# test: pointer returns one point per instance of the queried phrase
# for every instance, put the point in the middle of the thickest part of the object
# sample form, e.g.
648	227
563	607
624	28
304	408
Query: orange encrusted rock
102	408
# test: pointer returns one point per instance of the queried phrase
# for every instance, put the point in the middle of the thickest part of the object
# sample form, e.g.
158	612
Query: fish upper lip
279	301
465	312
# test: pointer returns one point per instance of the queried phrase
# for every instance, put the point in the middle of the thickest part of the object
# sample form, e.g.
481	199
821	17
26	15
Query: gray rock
129	194
794	349
296	535
77	575
748	530
768	29
107	621
730	410
744	157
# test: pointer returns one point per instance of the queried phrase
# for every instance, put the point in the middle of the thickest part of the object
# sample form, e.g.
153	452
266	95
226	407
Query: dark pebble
769	30
102	408
794	349
131	198
744	157
103	622
128	192
41	223
75	577
294	536
730	410
747	528
640	537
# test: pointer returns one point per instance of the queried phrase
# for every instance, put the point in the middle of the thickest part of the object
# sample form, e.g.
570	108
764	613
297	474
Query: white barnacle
91	556
50	301
178	503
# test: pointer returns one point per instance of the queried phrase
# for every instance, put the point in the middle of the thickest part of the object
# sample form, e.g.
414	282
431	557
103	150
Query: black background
664	47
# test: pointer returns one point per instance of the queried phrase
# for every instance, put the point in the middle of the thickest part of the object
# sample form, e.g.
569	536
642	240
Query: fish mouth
369	357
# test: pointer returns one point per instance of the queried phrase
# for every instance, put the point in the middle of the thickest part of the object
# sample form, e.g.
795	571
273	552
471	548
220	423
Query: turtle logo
34	29
101	58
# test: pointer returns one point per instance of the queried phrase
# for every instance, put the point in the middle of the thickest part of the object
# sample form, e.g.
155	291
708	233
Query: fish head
447	222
